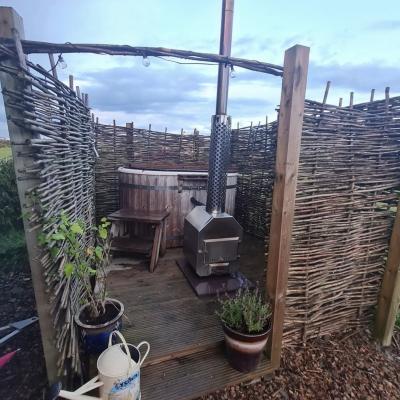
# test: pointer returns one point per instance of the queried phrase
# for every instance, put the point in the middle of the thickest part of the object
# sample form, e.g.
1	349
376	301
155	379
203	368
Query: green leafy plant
246	312
87	263
13	253
10	211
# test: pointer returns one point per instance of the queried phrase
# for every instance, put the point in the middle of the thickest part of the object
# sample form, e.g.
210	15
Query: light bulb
146	61
233	72
62	62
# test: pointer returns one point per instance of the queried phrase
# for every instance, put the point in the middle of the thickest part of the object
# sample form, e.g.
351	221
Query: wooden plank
11	26
290	124
193	376
174	328
156	247
130	214
389	297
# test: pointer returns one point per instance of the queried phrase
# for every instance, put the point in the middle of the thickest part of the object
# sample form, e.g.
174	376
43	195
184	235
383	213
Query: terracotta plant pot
95	334
244	350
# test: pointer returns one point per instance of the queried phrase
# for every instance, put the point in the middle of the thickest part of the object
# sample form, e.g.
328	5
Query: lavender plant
246	312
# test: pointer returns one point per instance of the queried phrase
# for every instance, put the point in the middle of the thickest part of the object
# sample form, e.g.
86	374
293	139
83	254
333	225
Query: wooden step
192	376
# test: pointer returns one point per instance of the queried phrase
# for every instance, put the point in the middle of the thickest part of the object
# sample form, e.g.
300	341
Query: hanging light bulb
146	61
62	62
233	72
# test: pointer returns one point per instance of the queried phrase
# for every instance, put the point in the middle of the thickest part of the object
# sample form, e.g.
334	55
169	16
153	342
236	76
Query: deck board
192	376
186	358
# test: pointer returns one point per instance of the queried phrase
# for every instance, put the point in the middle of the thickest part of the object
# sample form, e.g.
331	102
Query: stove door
220	250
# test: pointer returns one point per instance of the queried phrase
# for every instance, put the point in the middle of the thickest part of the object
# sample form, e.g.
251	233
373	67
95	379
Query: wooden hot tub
154	190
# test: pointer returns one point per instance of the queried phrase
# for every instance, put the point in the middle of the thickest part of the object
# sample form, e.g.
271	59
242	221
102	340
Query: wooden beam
11	26
290	125
389	297
34	47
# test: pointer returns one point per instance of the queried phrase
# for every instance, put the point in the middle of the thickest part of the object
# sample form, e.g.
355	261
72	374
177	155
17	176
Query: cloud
385	25
169	95
184	96
362	77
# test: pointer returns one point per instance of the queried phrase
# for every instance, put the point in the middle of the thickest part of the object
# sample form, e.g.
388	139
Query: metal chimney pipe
220	124
225	44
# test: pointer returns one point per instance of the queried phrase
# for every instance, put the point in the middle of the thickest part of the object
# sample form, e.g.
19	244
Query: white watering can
119	369
119	373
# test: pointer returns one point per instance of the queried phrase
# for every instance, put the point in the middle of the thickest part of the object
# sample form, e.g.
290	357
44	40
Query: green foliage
83	262
246	312
10	211
13	254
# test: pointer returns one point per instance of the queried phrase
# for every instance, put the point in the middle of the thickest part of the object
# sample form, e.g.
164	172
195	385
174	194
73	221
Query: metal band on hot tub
165	188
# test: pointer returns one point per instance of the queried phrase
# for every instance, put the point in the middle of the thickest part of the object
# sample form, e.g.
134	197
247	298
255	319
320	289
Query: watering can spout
78	394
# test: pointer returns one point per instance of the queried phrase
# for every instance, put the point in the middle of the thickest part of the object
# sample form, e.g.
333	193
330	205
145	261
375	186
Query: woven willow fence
349	165
61	151
252	154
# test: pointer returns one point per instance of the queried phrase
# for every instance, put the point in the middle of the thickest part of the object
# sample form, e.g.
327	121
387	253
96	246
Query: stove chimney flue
218	163
225	44
220	123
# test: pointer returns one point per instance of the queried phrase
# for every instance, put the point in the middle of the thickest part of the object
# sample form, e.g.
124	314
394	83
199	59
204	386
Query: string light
233	72
146	61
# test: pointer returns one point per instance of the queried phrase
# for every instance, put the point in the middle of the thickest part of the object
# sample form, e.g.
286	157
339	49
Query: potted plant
246	321
98	315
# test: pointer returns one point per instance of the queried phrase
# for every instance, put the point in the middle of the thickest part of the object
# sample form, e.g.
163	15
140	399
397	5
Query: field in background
5	149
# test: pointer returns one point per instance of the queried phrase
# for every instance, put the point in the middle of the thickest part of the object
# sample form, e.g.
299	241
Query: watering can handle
123	341
147	351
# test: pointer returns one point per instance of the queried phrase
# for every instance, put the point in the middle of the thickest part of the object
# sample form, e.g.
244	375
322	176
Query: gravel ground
345	366
24	377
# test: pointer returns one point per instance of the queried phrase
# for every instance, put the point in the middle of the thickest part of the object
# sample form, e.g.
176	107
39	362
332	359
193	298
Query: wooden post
11	26
389	297
129	142
371	99
53	65
287	158
328	85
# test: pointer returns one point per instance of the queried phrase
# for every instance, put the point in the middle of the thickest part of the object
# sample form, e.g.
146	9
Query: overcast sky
355	44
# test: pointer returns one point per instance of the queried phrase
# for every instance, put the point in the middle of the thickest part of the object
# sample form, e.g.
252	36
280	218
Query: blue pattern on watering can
130	384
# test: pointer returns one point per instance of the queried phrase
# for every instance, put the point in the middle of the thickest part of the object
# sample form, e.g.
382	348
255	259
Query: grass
5	152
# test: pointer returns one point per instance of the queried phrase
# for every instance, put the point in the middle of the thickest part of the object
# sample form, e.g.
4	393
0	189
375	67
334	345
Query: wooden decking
186	358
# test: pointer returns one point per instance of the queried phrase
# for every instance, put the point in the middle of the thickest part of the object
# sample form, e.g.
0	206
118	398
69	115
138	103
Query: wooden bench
153	247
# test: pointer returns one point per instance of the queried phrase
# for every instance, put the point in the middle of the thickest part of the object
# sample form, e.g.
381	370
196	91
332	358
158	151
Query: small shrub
10	211
246	312
86	262
13	253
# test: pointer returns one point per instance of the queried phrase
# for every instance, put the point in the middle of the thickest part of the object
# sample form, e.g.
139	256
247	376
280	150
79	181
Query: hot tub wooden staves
150	190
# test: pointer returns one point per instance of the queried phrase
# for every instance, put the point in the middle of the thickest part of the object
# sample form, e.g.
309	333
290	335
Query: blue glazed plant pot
94	334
